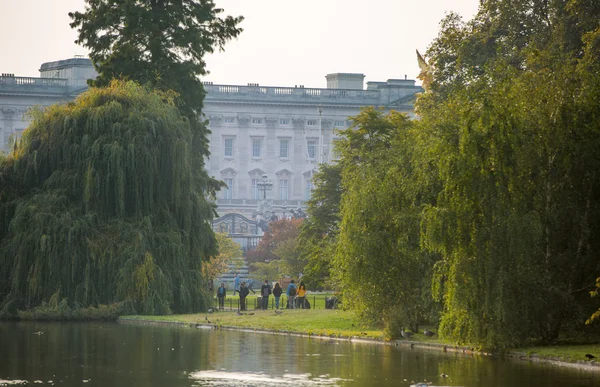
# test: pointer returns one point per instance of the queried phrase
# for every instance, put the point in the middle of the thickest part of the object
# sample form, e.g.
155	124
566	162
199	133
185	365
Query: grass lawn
565	352
311	321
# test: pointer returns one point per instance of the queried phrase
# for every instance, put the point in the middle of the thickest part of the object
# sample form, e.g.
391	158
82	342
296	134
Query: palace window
339	124
309	188
229	120
255	191
311	123
312	148
257	120
228	151
284	145
283	189
284	121
228	192
256	147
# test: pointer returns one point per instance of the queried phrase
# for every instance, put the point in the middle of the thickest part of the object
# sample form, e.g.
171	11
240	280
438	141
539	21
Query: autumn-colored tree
279	231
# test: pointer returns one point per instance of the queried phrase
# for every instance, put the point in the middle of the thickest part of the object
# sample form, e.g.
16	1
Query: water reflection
92	354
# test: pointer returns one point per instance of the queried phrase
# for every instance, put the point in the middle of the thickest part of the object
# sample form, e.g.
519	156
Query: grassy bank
562	352
324	322
312	321
341	323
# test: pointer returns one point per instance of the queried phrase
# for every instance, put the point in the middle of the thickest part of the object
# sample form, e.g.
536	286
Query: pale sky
284	42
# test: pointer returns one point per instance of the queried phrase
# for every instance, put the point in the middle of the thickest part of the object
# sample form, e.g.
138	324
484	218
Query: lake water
111	354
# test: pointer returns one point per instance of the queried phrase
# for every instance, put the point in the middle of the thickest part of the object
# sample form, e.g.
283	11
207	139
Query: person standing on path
236	283
221	294
243	294
277	290
265	292
291	293
301	294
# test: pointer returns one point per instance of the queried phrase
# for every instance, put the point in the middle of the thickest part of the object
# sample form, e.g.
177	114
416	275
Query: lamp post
284	208
264	185
321	139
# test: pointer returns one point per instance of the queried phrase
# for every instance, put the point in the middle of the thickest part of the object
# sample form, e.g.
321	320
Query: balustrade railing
290	93
287	203
32	82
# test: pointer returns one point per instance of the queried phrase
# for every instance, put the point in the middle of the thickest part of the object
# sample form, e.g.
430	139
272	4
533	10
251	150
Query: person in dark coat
265	292
221	294
243	294
277	290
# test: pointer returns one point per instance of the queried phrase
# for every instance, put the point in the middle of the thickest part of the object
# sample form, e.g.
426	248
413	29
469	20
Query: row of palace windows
286	121
283	189
257	147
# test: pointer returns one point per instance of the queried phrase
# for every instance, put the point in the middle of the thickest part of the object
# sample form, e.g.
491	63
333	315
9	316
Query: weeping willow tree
100	203
511	123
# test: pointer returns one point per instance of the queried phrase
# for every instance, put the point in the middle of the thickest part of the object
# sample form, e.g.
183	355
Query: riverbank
342	325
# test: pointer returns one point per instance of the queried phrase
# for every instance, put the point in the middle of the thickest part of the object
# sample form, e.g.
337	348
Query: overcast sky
284	43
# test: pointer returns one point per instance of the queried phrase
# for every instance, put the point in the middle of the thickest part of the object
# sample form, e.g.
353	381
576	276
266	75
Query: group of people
296	294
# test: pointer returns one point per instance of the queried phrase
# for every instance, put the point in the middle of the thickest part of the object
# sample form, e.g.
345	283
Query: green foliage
512	128
156	42
104	205
55	310
378	262
159	43
230	253
271	271
318	235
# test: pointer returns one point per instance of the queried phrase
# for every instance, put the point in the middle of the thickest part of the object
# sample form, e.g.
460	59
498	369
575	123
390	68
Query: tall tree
160	43
318	235
156	42
508	127
106	206
378	263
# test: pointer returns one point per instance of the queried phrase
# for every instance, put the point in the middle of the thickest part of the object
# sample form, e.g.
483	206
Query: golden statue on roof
426	72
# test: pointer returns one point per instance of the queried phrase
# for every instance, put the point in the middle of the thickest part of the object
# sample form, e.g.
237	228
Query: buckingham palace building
265	141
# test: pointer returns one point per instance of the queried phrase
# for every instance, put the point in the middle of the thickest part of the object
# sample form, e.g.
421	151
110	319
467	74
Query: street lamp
284	207
264	185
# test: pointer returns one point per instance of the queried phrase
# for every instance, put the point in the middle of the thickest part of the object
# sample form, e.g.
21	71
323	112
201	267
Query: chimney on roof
352	81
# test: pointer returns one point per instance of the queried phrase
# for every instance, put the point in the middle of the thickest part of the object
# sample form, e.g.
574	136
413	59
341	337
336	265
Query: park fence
310	302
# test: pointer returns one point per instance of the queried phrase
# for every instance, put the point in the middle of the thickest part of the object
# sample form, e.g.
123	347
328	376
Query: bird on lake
406	334
210	310
278	311
428	333
590	356
444	375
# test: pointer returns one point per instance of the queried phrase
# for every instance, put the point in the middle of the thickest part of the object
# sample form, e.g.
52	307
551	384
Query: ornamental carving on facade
271	121
326	124
298	122
244	120
216	120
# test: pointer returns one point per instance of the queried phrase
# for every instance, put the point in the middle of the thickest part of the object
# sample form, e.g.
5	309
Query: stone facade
280	132
59	81
283	133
